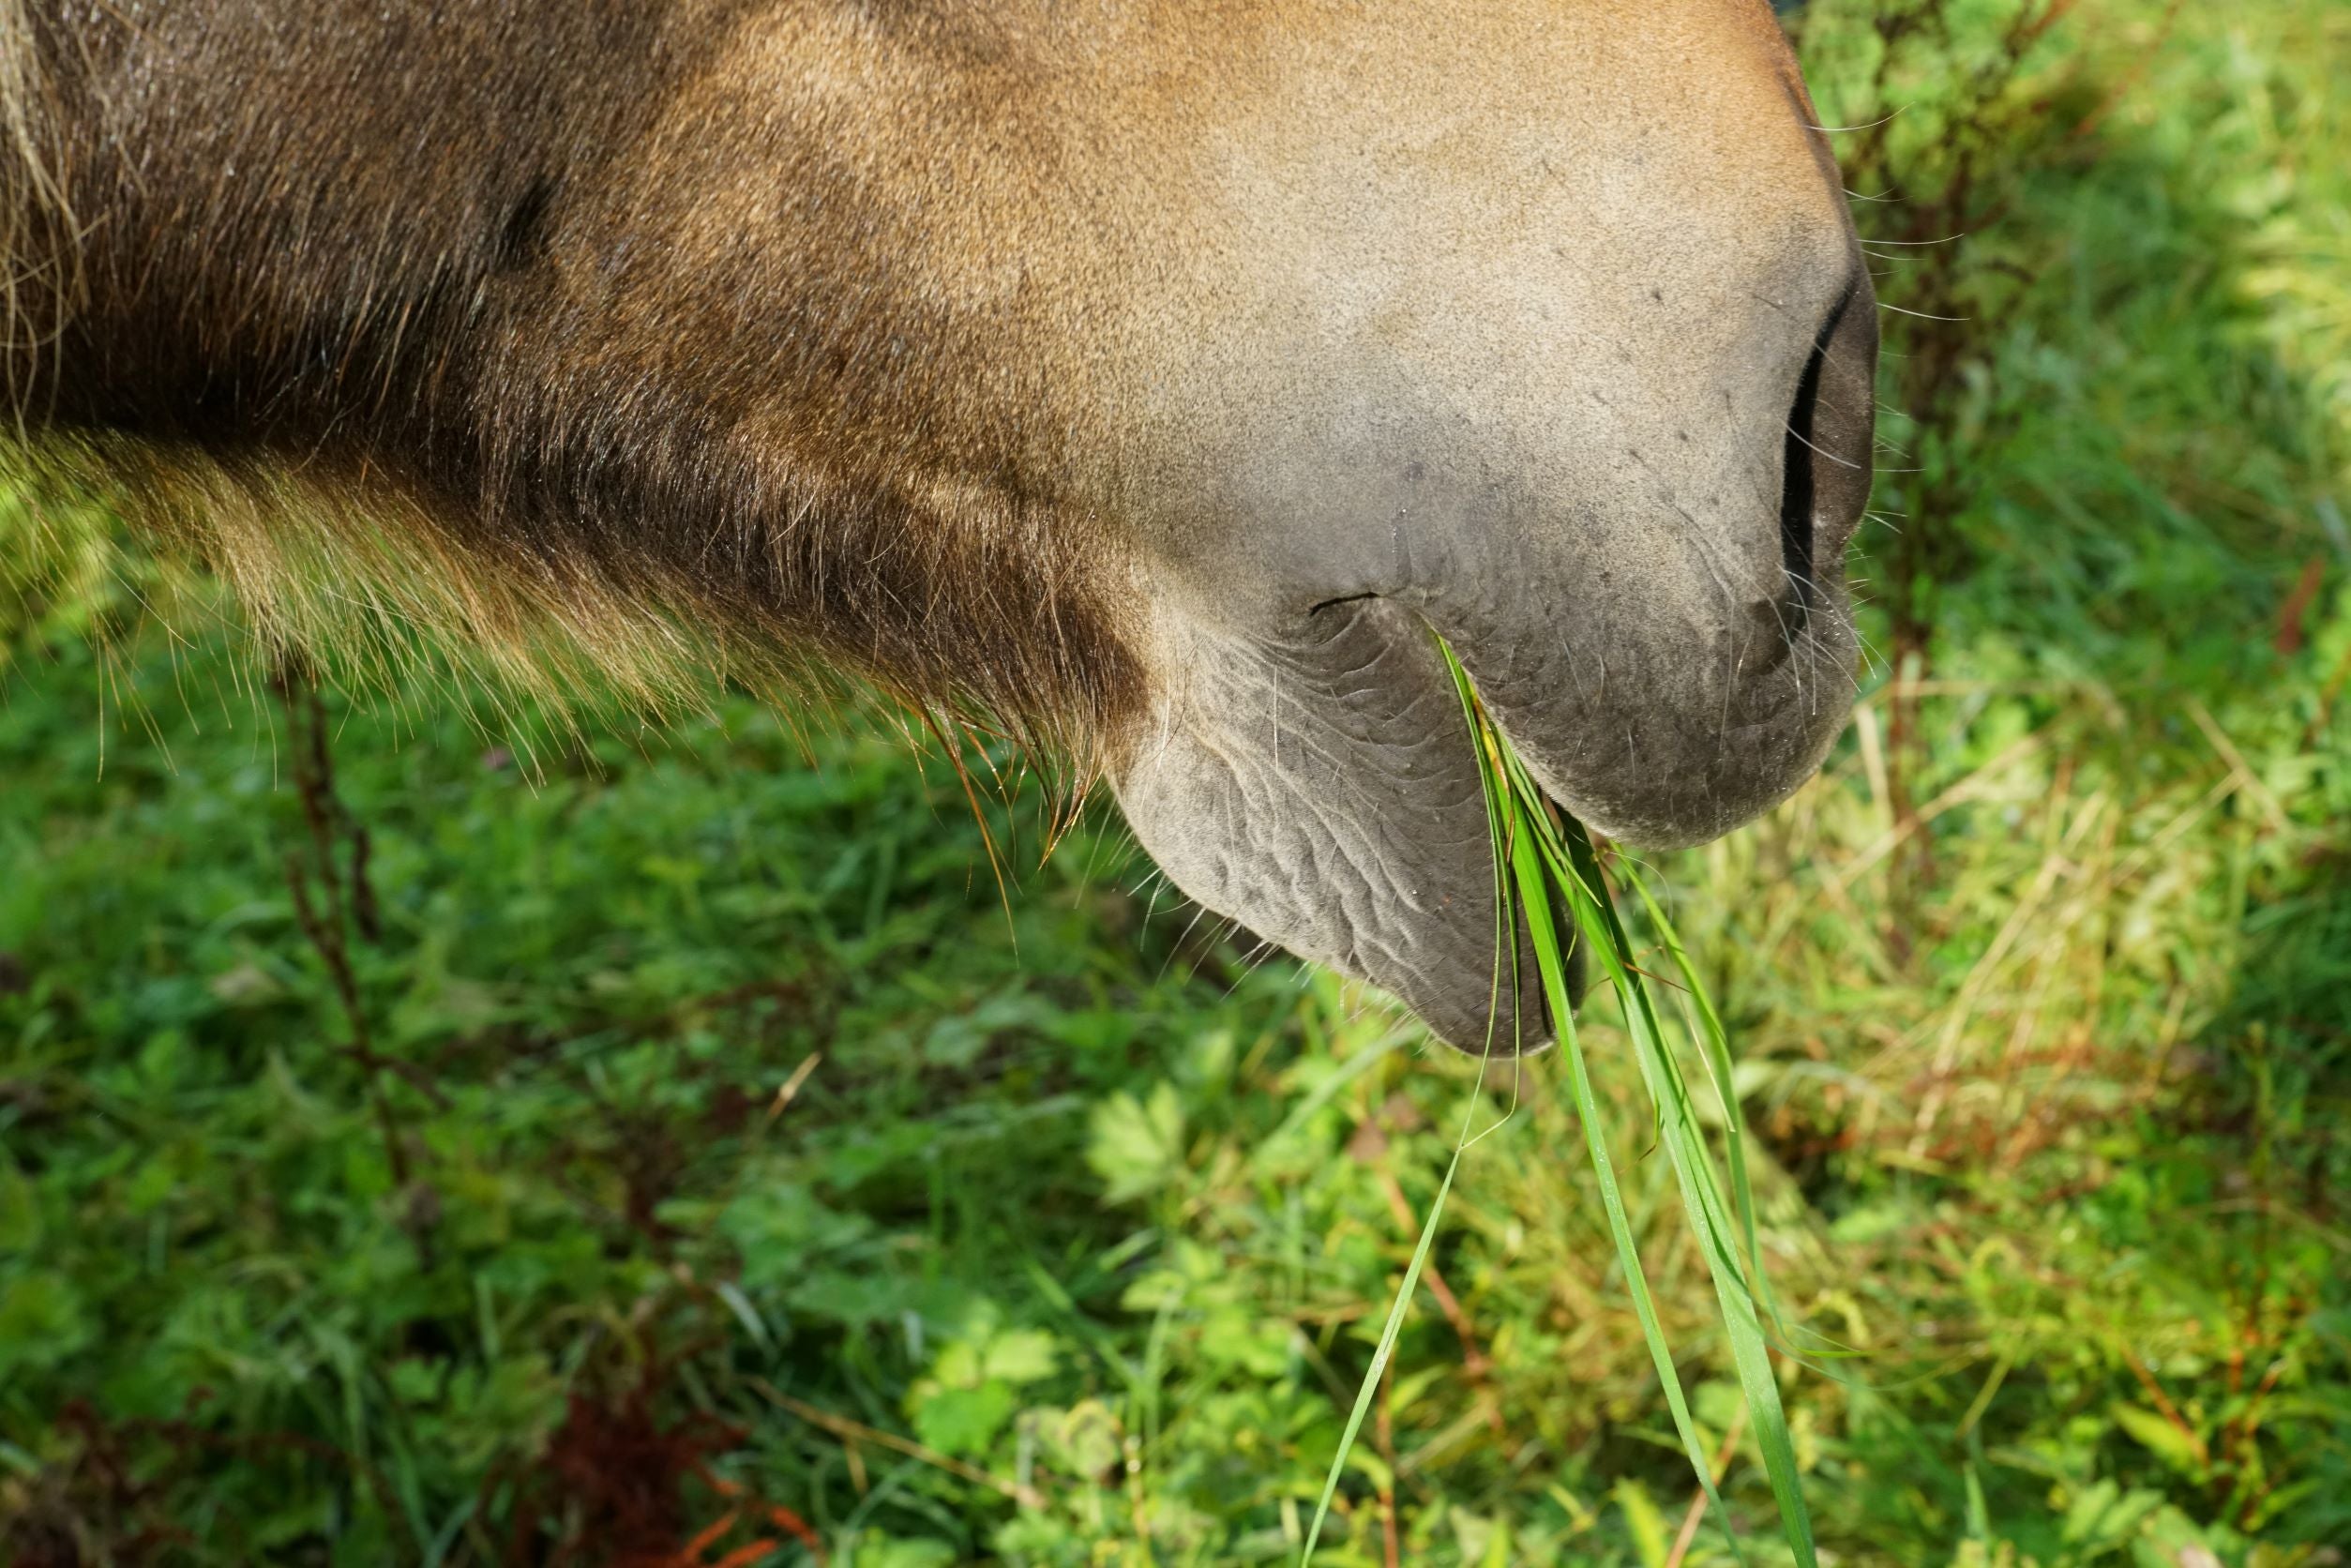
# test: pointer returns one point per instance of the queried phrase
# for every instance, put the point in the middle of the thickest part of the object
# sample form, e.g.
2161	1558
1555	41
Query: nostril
1798	480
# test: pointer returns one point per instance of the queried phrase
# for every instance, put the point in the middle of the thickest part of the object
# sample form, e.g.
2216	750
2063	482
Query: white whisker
1922	315
1840	130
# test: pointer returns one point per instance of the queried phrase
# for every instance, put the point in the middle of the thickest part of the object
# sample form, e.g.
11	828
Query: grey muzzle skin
1649	591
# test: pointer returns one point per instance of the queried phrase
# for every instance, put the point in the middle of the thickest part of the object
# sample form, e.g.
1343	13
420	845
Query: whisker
1831	456
1840	130
1922	315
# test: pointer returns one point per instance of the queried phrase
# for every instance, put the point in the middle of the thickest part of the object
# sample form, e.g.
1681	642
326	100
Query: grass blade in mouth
1540	855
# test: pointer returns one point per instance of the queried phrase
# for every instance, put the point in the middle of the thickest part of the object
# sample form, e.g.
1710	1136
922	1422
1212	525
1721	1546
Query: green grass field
680	1152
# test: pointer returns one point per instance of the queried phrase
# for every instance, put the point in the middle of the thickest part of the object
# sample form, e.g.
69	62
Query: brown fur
436	324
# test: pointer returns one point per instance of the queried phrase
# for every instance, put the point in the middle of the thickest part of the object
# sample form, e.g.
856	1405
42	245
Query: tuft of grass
1544	860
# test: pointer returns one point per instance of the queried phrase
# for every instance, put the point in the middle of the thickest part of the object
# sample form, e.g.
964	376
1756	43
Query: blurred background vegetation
429	1143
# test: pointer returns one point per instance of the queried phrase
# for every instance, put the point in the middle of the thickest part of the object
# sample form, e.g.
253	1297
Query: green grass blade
1551	957
1387	1333
1702	1199
1714	1046
1496	791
